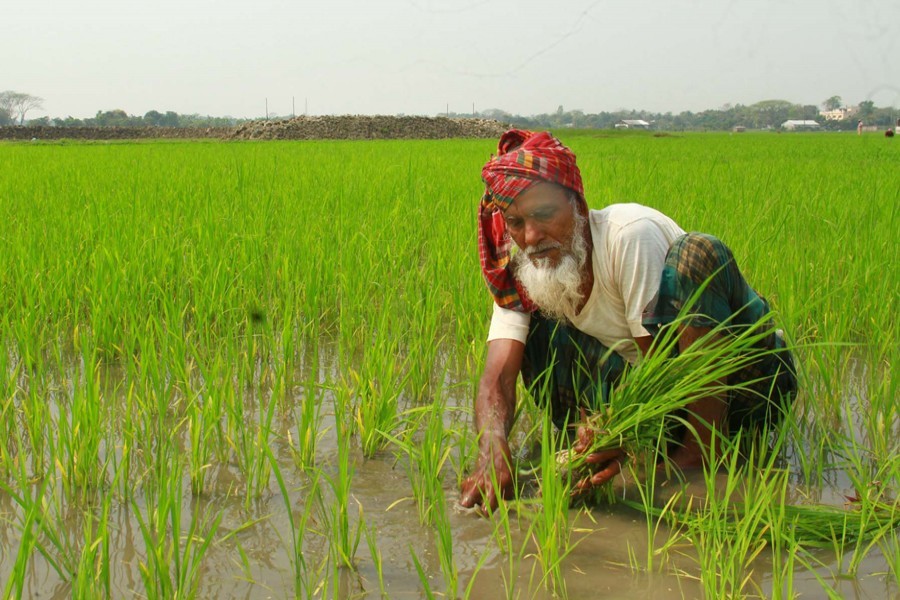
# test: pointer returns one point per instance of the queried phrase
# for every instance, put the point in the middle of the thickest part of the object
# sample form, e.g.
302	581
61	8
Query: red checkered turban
523	159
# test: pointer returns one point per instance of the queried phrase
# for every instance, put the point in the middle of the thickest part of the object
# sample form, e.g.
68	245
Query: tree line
768	114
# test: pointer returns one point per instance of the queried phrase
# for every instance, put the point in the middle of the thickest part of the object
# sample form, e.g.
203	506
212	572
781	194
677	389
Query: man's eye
544	214
513	223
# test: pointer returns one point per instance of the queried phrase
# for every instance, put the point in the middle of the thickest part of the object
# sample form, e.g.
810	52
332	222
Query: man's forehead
540	192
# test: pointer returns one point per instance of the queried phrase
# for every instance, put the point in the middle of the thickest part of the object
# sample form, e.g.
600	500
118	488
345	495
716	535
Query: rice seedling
377	560
305	575
377	388
550	529
335	511
171	565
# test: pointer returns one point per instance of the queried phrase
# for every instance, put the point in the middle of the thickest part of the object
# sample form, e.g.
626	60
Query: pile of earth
361	127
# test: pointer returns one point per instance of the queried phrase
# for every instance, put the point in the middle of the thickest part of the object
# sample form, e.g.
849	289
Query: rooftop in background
800	124
839	114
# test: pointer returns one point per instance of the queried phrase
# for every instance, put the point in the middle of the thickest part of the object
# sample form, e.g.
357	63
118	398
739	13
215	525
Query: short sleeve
509	324
639	260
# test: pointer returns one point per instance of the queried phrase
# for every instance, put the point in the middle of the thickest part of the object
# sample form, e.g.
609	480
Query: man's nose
534	233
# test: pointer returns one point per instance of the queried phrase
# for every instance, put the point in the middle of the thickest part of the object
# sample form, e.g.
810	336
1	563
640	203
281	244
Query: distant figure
859	128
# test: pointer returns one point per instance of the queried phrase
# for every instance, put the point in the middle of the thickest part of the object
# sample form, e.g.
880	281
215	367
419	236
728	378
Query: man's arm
495	406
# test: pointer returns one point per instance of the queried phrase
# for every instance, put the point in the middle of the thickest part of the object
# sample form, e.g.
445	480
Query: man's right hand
495	405
492	478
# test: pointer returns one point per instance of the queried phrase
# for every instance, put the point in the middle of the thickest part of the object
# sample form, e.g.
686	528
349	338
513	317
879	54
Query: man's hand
604	465
491	479
495	406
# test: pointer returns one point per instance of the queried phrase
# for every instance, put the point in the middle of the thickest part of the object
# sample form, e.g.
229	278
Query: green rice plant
9	440
426	456
550	529
423	576
502	534
425	343
198	426
377	387
444	542
654	520
173	557
79	433
727	538
309	431
41	526
377	559
334	512
92	574
37	422
305	575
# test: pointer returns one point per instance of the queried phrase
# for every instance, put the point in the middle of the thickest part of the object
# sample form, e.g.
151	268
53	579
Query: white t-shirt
630	245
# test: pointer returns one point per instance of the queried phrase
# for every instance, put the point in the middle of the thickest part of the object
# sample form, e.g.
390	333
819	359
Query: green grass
195	322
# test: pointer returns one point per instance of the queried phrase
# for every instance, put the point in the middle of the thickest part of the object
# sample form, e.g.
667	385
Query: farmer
584	281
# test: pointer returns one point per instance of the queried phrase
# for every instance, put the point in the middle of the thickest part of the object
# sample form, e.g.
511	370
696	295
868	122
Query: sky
228	57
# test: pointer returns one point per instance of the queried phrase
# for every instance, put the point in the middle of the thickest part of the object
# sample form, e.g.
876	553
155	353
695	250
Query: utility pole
473	110
448	110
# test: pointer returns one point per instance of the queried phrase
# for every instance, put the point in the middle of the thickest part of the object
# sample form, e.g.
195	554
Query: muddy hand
608	464
604	464
479	487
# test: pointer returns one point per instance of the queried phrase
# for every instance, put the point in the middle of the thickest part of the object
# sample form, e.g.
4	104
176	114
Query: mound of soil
369	127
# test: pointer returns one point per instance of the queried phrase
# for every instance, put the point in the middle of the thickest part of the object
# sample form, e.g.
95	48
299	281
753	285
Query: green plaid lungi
570	369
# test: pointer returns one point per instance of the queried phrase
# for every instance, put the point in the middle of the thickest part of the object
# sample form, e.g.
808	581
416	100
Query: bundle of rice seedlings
810	525
650	396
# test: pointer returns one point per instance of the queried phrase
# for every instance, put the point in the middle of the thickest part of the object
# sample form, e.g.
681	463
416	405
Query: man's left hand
604	464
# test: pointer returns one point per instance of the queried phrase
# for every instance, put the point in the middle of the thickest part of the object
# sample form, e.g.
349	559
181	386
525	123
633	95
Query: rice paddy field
246	370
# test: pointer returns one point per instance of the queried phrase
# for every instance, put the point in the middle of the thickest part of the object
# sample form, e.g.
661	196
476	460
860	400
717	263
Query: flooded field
246	371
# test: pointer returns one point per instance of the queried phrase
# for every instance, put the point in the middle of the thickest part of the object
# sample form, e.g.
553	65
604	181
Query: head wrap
523	159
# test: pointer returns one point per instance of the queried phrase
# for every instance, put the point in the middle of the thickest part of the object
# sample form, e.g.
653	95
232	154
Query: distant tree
833	103
866	108
5	117
153	117
39	122
16	104
112	118
170	119
68	122
770	113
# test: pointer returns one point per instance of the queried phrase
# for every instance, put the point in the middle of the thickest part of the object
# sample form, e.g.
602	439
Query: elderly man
584	281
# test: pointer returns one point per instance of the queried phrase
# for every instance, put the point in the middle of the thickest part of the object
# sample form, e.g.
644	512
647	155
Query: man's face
553	248
541	222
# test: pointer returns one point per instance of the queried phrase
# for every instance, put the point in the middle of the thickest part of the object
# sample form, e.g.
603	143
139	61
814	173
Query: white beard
555	289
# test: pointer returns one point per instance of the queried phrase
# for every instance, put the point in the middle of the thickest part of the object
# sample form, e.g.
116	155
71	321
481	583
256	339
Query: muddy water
255	561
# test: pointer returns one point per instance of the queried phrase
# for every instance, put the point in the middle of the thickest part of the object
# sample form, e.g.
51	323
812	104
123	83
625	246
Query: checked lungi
573	370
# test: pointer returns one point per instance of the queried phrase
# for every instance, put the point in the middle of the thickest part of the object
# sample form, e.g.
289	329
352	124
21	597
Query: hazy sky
225	57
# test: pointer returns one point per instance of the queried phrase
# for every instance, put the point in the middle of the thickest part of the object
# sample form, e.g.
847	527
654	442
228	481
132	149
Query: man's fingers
598	458
488	499
584	438
471	493
605	474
